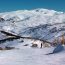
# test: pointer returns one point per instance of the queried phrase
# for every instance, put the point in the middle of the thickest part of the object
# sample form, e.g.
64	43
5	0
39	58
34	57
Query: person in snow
41	45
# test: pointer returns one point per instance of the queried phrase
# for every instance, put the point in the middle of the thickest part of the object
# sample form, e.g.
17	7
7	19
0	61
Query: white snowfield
29	56
38	23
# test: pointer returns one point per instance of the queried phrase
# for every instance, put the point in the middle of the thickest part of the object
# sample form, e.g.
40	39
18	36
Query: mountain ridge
40	23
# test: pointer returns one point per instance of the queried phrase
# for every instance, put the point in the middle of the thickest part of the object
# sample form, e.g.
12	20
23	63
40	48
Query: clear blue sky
11	5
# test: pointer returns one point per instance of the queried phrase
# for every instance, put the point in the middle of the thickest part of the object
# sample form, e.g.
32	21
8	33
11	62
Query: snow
38	23
29	56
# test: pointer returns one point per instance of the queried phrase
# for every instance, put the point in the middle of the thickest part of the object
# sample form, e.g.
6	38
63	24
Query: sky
13	5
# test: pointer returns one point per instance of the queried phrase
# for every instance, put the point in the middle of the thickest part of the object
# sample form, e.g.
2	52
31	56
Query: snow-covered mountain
38	23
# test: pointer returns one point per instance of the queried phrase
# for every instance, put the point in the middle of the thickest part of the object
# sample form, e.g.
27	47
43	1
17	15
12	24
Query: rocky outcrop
7	48
34	45
1	19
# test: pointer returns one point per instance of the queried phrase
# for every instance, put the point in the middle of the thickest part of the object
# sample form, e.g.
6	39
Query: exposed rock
46	45
7	48
26	44
34	45
1	19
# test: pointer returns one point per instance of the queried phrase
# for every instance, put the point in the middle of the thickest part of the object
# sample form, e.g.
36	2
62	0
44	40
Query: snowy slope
29	56
34	23
38	23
